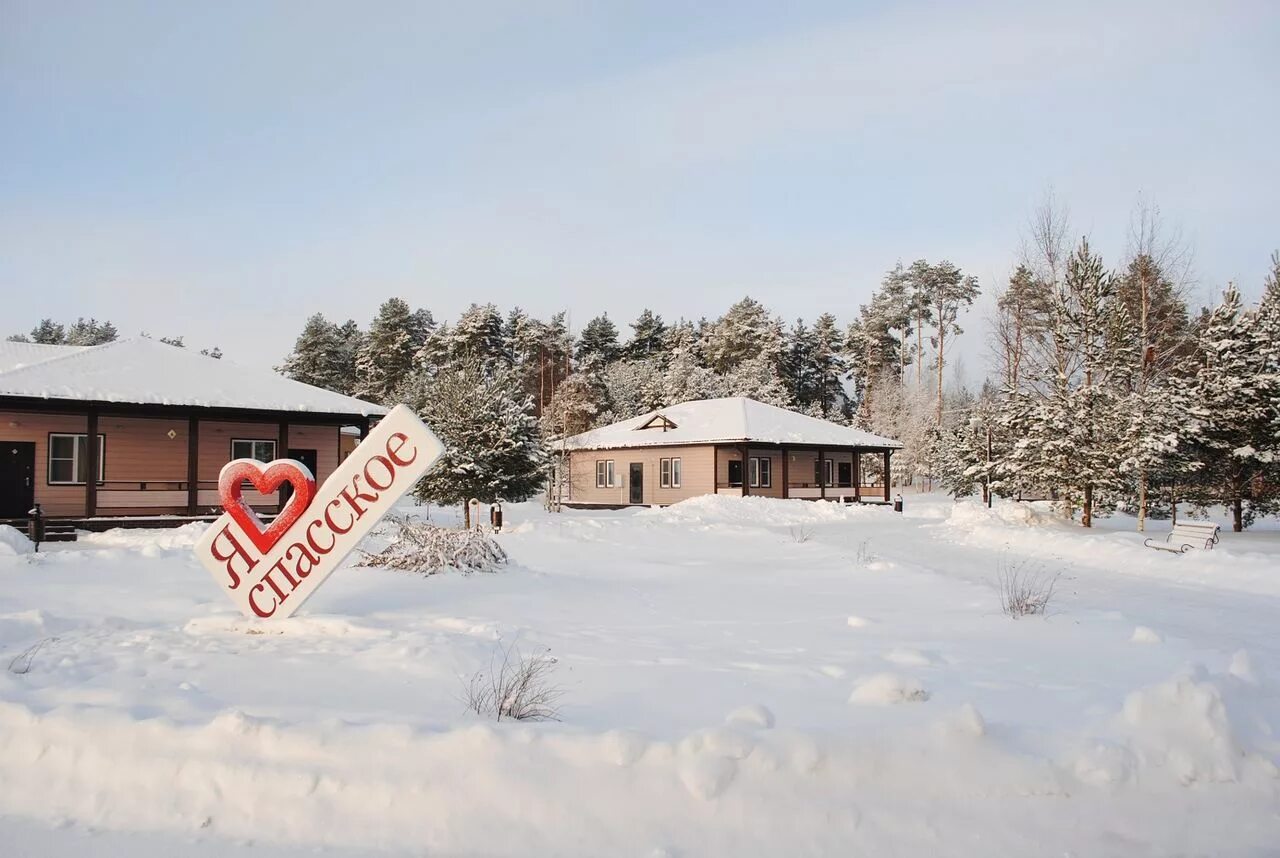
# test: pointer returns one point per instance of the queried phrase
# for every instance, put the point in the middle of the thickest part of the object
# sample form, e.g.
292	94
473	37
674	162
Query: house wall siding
732	453
696	466
139	451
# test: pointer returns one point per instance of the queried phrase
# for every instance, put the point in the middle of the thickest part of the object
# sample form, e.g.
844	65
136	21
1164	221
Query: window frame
75	459
275	447
669	472
605	474
761	472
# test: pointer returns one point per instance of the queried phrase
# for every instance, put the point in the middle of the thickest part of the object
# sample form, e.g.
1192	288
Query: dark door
735	472
844	474
637	482
306	457
17	478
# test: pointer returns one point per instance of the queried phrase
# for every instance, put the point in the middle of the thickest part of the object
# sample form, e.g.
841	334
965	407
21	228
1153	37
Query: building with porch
165	421
734	446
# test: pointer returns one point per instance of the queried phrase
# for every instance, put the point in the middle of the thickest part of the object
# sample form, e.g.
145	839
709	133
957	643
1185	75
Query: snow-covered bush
1026	588
427	548
518	687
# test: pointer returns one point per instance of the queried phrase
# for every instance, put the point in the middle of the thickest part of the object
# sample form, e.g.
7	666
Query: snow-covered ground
740	677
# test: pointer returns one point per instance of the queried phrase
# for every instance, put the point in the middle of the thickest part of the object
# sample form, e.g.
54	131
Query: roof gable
657	421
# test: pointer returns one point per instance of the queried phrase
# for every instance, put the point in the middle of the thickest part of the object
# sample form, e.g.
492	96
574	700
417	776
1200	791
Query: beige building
733	446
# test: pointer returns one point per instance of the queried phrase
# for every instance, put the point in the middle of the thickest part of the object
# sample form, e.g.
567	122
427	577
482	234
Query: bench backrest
1206	527
1193	533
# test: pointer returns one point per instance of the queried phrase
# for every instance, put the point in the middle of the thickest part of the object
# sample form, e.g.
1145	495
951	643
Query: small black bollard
495	517
897	504
35	525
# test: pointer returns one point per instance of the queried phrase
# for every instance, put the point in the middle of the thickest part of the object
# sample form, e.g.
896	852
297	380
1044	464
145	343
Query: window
669	473
263	451
828	482
761	472
604	474
69	459
819	472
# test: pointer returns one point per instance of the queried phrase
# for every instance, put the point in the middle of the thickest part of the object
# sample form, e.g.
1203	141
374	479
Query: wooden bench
1188	534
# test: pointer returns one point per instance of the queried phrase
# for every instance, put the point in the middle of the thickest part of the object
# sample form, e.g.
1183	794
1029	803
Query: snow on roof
733	419
147	372
15	355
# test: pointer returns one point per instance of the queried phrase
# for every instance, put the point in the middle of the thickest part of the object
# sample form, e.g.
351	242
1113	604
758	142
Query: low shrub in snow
515	686
1026	587
21	663
420	546
884	689
800	533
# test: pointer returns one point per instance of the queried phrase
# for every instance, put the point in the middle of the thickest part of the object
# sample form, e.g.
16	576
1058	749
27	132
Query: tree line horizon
1105	389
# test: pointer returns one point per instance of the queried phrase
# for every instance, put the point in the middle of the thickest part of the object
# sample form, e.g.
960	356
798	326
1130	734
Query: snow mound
165	538
1145	635
1181	726
883	689
755	511
968	513
13	542
756	715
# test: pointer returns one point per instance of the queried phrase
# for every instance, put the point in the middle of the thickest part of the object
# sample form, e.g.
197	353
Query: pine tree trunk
919	351
1237	515
1086	515
1142	501
466	515
941	336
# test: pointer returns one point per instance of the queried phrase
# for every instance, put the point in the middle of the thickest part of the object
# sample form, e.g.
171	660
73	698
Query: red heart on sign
266	479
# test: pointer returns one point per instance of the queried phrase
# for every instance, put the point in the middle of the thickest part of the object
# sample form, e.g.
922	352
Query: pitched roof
147	372
14	355
733	419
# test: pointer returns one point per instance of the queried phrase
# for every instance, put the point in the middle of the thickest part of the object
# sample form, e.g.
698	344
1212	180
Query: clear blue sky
221	170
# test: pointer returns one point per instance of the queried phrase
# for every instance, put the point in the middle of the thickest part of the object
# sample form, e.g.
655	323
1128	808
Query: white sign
269	571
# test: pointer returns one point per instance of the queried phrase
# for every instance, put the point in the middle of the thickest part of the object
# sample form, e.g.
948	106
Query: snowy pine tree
1234	400
756	378
320	356
598	343
386	356
686	378
492	450
745	331
648	337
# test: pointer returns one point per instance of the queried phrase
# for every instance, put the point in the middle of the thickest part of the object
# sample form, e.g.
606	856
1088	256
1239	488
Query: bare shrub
801	533
865	557
1026	587
515	686
427	548
21	663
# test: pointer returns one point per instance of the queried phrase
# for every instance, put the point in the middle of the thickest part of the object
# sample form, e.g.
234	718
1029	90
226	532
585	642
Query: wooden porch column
886	475
91	465
193	465
746	473
715	469
822	474
282	452
786	476
363	426
857	475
